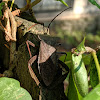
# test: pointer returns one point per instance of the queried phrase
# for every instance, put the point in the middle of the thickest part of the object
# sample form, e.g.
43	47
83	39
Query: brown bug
46	66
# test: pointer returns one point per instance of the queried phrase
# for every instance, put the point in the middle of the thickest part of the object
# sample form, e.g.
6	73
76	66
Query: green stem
97	64
12	5
63	2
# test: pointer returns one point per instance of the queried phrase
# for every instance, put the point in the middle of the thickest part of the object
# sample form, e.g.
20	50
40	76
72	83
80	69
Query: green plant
1	7
63	2
94	94
94	3
10	90
78	77
78	70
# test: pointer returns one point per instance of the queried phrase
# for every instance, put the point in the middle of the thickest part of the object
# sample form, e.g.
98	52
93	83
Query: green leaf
1	6
63	2
94	3
10	90
79	71
81	46
86	58
94	94
80	74
0	13
73	93
66	59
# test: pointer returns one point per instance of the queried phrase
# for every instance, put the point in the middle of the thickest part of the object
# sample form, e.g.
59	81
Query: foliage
78	78
1	6
94	94
63	2
79	71
93	71
94	3
66	59
80	74
78	82
75	37
10	90
73	93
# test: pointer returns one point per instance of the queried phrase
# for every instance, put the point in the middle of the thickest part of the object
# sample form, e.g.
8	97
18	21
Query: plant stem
12	5
97	64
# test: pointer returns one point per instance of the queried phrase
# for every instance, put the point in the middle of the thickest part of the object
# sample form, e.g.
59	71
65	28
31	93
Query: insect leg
29	43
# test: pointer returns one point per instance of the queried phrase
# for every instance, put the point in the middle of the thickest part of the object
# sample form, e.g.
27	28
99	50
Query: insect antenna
57	16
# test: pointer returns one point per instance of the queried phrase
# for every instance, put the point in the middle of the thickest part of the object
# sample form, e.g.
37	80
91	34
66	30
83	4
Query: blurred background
83	19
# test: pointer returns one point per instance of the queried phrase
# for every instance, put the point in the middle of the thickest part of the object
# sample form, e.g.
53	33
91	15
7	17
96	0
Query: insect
46	66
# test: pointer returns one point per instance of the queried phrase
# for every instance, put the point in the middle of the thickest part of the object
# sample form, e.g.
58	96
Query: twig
13	34
7	33
16	12
7	22
28	1
35	2
87	50
13	25
26	7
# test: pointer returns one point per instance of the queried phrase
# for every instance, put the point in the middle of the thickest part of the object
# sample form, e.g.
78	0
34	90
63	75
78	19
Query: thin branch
26	7
87	50
7	33
16	12
13	34
7	21
28	1
13	25
35	2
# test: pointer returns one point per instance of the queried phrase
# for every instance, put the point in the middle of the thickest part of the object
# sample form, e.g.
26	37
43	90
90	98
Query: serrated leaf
94	94
10	90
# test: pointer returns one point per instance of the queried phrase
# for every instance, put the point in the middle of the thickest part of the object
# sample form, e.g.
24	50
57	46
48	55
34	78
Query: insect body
45	64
